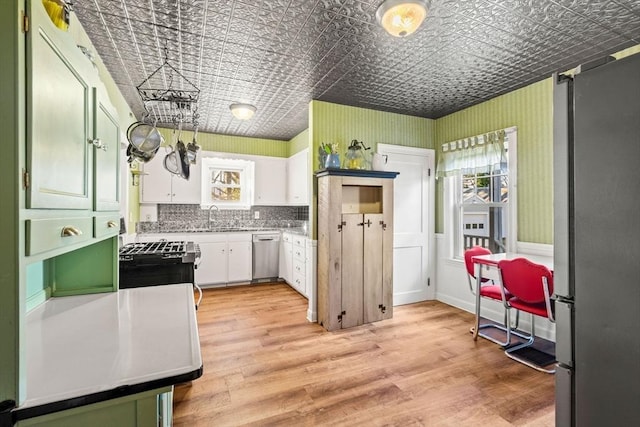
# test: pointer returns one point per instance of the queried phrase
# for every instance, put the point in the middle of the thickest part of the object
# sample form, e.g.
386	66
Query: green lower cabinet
139	410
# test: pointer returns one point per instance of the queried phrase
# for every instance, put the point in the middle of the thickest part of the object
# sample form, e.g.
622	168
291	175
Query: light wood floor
264	364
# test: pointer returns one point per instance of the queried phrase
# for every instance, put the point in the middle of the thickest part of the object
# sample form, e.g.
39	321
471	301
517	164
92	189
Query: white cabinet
270	181
158	185
286	257
239	262
298	178
213	263
299	264
293	261
225	258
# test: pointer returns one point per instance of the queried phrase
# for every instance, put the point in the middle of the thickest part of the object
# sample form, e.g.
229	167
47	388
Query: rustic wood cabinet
355	247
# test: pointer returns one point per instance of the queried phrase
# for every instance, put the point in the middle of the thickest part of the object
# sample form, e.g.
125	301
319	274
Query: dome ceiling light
401	17
242	111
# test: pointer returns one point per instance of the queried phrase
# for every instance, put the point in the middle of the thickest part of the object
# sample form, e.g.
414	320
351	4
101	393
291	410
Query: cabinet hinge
25	23
428	281
382	308
26	182
342	224
340	316
384	226
429	172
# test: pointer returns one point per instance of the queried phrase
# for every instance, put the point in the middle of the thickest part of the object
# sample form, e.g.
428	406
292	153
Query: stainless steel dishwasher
266	249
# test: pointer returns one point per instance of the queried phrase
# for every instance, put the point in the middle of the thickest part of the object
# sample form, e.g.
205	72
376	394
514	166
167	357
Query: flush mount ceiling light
242	111
401	17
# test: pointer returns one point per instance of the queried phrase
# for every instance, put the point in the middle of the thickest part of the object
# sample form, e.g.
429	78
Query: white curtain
477	154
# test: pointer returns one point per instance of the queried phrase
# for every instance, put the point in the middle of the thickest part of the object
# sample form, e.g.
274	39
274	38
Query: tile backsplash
176	217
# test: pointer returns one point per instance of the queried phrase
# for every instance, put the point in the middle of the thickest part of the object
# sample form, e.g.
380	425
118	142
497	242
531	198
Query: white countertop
79	345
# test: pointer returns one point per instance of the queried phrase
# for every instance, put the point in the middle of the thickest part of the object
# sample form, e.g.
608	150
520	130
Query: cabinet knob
70	231
98	144
112	224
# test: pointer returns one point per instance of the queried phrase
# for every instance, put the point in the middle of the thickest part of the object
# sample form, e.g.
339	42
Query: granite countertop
293	230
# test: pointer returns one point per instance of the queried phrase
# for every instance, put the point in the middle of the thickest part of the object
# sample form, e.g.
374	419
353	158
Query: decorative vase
333	161
322	159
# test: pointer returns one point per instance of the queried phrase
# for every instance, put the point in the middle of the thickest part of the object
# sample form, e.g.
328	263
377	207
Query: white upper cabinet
271	181
298	178
158	185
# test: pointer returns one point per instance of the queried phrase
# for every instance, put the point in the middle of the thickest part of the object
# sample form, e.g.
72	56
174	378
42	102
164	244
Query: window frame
453	211
247	182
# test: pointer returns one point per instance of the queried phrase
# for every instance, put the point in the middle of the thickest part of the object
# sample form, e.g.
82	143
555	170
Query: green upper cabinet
106	133
59	87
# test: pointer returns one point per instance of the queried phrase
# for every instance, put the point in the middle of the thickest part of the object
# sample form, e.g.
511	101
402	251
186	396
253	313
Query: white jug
378	161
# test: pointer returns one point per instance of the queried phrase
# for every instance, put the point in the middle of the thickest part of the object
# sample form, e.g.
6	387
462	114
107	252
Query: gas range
154	252
158	263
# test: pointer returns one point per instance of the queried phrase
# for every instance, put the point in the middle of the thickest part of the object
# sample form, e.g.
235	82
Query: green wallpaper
299	142
341	124
233	144
334	123
530	110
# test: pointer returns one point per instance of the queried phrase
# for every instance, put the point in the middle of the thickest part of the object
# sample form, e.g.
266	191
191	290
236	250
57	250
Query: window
480	195
227	183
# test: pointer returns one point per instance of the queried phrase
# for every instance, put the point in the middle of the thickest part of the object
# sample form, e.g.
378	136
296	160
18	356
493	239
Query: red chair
490	291
530	286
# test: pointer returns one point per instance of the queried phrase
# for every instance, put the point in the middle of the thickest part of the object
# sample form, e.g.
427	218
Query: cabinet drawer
299	282
299	253
299	267
46	234
299	241
104	226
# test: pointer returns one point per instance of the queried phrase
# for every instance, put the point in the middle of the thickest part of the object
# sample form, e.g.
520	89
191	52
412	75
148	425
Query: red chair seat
539	309
493	292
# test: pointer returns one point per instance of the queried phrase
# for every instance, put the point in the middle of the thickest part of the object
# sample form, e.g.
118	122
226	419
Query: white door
413	222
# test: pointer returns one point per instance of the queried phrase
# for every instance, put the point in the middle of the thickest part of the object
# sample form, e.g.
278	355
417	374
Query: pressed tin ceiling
280	54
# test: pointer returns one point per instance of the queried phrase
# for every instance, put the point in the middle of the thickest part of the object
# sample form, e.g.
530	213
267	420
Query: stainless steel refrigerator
597	244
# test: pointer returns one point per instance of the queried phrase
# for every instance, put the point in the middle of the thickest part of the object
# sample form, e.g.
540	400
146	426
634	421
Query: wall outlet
256	215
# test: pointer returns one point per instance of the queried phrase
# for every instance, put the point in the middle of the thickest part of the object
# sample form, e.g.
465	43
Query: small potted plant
328	155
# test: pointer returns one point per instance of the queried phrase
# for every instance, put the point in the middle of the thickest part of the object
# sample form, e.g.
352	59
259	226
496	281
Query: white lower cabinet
286	257
293	261
225	258
213	263
239	262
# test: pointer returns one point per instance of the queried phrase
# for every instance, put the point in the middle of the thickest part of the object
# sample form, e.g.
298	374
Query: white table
492	261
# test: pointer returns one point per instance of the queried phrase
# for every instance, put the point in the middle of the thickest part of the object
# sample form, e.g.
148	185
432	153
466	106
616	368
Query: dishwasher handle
266	238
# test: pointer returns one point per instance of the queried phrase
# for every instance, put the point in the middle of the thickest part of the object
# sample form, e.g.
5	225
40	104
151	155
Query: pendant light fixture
242	111
401	17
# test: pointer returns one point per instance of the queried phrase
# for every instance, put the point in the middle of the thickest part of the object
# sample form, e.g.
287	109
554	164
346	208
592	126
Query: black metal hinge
342	224
429	172
25	179
428	281
341	315
384	226
382	308
25	23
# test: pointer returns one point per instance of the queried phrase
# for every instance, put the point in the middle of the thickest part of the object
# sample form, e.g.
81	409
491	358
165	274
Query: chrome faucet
210	208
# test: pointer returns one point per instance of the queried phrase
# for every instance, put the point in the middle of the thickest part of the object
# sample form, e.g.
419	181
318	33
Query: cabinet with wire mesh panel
355	247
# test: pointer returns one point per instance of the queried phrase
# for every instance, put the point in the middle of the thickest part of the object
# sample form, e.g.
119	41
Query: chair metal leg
530	339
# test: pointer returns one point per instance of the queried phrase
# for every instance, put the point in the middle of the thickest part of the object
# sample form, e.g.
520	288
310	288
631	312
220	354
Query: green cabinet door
58	117
106	132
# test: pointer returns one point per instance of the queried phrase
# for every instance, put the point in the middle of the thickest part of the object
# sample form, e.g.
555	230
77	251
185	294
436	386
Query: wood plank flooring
265	365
